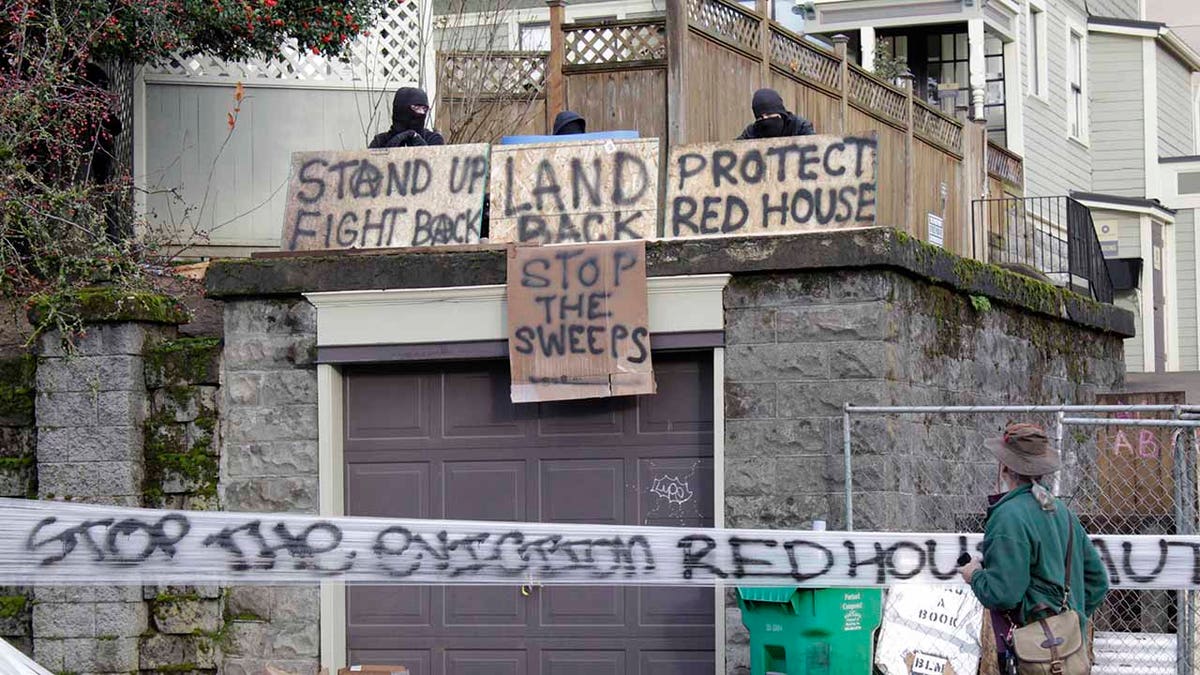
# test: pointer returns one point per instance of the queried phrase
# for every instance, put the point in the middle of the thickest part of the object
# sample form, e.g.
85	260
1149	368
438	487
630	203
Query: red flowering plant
66	216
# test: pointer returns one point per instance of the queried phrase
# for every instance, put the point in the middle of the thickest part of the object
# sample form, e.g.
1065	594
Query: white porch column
866	36
978	67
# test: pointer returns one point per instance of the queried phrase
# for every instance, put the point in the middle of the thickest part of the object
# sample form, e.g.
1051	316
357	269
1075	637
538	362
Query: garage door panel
629	460
392	606
675	492
676	663
685	401
581	491
478	404
602	416
483	662
487	490
418	661
484	606
674	607
389	404
392	490
570	662
592	606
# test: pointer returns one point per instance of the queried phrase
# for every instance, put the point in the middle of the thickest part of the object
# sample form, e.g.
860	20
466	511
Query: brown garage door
444	441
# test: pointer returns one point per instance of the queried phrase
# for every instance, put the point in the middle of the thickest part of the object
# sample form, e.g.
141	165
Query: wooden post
910	216
555	95
677	36
839	47
764	42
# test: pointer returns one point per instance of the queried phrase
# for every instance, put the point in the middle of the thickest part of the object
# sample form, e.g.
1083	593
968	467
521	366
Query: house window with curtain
534	37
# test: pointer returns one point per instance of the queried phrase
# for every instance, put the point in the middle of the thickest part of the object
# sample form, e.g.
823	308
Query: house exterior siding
1175	126
1054	164
1115	9
1185	288
1117	115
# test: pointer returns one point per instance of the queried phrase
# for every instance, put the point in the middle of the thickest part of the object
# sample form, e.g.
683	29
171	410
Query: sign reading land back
427	196
772	186
555	193
577	321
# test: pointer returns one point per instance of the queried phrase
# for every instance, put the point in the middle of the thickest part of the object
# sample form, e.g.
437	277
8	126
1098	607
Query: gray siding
1185	280
1174	107
1117	115
1116	9
457	36
1128	229
1054	165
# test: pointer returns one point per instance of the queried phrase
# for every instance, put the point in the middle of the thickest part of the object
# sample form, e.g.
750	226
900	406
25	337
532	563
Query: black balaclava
568	122
767	102
403	117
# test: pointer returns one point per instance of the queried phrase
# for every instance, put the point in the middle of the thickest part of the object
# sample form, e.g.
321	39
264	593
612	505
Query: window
534	37
1189	182
994	110
947	83
1076	103
1036	36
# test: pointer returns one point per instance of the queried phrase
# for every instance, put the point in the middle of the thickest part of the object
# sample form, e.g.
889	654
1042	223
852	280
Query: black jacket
794	125
407	138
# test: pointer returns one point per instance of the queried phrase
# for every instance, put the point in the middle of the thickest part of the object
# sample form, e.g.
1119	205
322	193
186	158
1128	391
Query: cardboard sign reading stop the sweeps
392	197
772	186
555	193
578	322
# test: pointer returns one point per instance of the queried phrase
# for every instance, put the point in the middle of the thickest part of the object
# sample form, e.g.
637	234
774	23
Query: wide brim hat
1025	449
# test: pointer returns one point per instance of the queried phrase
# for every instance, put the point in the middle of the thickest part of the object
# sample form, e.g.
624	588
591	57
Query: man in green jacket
1025	539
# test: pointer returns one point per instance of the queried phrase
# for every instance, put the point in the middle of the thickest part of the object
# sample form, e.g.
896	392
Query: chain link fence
1128	470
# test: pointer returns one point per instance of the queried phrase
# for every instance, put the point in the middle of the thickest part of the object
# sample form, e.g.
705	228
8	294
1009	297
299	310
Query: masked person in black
568	122
409	109
772	119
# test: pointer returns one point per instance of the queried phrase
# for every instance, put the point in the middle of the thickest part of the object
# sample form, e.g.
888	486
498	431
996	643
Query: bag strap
1070	552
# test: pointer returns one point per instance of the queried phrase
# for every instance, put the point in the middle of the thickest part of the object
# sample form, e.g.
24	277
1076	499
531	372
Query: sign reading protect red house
578	321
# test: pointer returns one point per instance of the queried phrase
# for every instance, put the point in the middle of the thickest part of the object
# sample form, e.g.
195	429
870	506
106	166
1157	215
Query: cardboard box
373	670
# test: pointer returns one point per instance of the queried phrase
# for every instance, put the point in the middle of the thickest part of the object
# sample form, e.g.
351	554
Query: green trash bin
811	631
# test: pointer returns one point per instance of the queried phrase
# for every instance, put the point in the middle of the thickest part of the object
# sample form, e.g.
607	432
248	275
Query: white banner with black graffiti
62	543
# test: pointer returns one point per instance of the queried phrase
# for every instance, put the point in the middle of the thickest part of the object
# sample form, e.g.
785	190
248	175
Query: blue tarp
593	136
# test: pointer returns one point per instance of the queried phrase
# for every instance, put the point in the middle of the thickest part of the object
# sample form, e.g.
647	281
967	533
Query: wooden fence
688	77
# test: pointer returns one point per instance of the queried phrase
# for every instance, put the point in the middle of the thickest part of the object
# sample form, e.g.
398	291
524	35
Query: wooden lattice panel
727	21
595	44
494	74
388	55
805	60
1005	165
878	97
928	123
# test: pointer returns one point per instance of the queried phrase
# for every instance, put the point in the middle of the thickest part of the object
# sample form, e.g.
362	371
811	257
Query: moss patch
104	305
184	361
13	606
17	389
168	457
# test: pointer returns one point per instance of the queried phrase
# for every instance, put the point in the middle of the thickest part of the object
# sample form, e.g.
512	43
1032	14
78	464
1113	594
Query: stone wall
269	463
801	345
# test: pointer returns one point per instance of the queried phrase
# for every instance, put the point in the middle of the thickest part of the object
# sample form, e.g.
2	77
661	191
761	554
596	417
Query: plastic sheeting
61	543
13	662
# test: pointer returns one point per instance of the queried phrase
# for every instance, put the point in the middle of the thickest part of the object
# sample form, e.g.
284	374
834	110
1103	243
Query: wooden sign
771	186
577	321
392	197
1136	464
554	193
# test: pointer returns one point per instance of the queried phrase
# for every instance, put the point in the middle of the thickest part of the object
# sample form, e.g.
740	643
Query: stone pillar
90	407
269	463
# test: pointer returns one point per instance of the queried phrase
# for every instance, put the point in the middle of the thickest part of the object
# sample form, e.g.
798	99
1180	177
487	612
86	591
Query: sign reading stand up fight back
578	322
393	197
574	193
772	186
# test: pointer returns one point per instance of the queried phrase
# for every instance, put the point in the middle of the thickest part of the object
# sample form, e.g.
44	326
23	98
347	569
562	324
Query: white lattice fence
391	54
